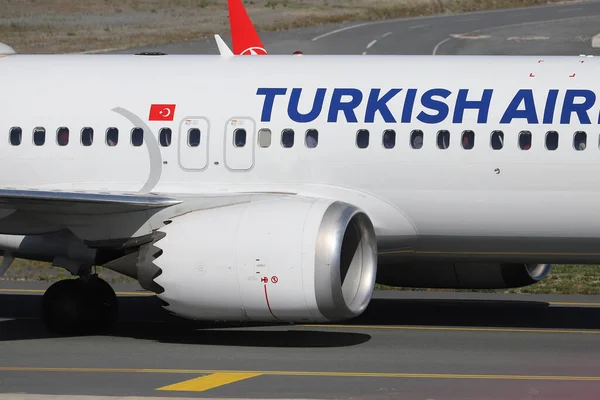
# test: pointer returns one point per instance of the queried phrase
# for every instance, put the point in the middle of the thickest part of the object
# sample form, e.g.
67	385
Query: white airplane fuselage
535	205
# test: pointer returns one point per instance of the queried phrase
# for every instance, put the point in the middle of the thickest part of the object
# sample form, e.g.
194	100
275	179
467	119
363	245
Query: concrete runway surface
407	345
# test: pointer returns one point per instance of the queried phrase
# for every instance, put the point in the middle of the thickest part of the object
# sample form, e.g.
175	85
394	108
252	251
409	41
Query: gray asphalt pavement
565	29
414	345
407	345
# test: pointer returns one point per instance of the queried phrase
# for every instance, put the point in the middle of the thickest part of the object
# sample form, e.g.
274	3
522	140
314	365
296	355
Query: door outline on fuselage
245	155
184	150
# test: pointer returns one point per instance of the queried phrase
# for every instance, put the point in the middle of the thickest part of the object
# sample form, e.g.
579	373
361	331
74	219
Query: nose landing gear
86	305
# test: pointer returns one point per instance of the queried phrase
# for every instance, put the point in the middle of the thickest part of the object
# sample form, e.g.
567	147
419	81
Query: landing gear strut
86	305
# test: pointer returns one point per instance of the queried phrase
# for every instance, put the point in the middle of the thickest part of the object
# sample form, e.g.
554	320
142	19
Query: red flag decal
162	112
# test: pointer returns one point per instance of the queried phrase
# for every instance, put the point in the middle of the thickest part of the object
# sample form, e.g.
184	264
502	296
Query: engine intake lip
345	262
537	272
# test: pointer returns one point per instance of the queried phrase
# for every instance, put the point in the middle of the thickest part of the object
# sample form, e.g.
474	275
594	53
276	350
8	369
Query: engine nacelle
462	275
288	259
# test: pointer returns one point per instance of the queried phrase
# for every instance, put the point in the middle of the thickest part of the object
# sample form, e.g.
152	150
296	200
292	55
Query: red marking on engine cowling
268	304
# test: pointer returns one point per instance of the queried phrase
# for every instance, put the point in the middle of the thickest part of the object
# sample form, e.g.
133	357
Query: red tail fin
244	38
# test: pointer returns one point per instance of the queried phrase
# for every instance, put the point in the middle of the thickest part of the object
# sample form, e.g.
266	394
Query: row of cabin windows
111	136
311	138
468	139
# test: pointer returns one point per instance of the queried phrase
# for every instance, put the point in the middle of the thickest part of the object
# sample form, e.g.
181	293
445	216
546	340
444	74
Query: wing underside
80	203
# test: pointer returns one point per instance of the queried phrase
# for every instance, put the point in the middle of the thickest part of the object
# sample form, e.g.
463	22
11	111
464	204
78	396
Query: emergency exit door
239	144
193	143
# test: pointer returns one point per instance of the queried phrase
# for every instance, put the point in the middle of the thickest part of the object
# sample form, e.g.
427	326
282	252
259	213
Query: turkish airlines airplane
283	188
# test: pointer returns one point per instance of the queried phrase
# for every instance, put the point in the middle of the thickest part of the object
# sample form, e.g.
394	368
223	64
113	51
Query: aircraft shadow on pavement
142	317
478	313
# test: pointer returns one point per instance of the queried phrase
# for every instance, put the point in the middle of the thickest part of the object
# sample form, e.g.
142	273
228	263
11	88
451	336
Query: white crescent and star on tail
254	51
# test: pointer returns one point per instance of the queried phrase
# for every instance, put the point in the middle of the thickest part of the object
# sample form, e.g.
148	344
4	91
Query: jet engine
461	275
287	259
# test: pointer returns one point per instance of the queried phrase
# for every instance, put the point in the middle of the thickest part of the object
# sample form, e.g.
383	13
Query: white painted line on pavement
437	46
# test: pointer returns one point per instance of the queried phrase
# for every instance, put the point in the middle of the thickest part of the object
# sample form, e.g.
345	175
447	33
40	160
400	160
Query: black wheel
63	308
79	306
102	303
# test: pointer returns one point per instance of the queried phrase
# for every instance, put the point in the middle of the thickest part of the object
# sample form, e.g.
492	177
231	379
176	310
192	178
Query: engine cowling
288	259
461	275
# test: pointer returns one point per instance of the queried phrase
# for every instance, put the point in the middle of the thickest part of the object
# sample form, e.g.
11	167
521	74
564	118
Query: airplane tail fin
244	37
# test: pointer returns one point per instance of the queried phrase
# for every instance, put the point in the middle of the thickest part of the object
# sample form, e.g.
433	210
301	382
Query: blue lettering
409	103
550	106
346	107
317	106
580	109
427	100
269	94
512	111
375	104
482	105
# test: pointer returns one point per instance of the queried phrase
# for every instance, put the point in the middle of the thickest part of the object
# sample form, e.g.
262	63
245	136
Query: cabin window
389	138
580	140
524	140
311	140
164	137
112	136
497	140
137	137
239	137
39	136
264	138
468	140
443	139
62	136
87	136
551	140
416	139
287	138
193	137
16	134
362	138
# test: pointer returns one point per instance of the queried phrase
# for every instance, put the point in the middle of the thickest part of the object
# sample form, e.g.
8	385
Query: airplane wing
80	203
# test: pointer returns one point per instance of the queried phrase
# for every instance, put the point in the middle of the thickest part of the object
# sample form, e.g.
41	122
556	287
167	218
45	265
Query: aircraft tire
103	303
78	306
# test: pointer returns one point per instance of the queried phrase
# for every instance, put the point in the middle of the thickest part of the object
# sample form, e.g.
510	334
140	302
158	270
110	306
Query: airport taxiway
406	345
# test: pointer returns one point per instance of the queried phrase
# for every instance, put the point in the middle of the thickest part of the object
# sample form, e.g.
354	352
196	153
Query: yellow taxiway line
140	293
573	303
208	382
229	374
449	328
146	293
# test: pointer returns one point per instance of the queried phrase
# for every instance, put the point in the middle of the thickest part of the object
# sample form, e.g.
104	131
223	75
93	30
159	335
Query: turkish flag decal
162	112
